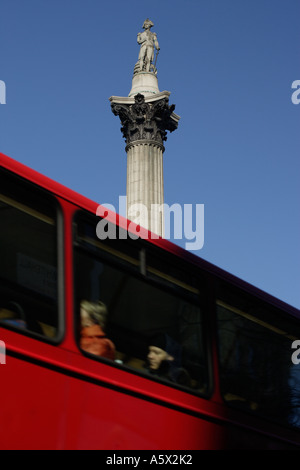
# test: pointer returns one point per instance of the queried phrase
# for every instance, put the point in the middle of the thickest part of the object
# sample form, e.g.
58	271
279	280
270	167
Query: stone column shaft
145	184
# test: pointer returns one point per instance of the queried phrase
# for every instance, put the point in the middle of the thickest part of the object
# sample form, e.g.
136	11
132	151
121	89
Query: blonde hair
93	313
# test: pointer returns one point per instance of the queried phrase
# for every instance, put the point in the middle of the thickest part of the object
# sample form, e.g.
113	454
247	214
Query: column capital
145	119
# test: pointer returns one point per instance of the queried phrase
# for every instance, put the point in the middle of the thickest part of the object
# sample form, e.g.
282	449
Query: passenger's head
158	352
92	313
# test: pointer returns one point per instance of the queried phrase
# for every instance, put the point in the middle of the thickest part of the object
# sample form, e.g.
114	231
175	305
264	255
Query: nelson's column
146	117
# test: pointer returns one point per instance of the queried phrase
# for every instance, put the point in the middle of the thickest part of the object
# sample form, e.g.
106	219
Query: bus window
28	253
147	310
256	370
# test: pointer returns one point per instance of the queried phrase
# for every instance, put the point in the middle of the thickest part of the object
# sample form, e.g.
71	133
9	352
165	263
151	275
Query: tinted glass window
153	320
28	253
257	373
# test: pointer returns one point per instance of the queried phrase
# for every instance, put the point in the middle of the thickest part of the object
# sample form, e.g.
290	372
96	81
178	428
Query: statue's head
147	24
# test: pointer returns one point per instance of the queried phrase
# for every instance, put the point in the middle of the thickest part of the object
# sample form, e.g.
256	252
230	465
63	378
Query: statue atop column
145	116
148	41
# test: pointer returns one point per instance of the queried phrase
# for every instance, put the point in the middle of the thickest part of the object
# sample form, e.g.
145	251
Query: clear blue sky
229	65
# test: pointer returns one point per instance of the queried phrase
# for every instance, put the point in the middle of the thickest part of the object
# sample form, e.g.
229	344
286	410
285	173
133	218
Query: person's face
91	339
156	356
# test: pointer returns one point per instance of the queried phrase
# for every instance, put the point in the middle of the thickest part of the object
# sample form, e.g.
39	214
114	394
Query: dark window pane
146	306
257	373
28	253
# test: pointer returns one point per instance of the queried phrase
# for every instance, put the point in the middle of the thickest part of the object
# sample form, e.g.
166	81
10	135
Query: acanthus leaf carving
145	121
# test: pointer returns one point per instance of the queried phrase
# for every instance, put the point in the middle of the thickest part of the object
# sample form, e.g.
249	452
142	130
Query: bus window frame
263	321
58	221
135	270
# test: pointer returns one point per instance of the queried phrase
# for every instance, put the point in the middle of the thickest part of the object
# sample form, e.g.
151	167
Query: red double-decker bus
191	358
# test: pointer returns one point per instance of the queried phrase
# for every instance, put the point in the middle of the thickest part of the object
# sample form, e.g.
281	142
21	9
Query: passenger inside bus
164	360
93	316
